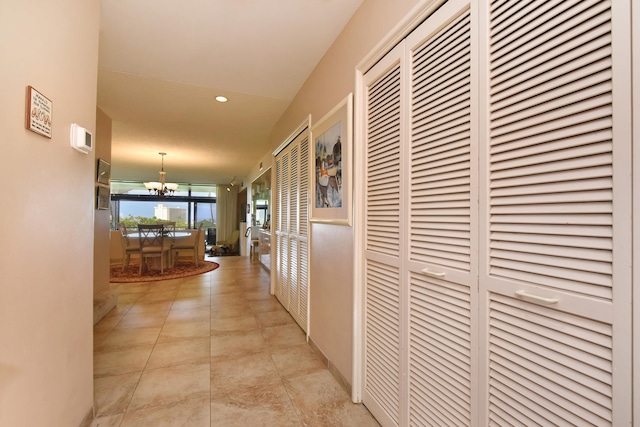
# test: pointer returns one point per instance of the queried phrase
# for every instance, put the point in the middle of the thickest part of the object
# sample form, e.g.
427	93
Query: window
191	205
262	206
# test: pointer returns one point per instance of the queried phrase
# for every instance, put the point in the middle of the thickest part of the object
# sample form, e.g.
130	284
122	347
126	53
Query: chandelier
162	188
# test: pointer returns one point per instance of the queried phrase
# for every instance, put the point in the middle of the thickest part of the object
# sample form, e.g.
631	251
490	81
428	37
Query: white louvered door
383	253
299	307
496	236
442	218
292	233
554	242
282	229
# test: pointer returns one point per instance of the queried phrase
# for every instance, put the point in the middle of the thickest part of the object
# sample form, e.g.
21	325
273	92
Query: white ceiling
162	63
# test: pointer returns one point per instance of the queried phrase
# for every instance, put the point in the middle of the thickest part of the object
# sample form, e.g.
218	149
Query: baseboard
344	383
88	419
103	303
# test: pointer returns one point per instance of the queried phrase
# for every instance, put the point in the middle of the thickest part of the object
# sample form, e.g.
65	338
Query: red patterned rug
182	269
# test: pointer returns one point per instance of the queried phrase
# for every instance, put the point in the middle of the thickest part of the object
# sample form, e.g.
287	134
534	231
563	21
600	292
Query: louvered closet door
420	359
553	262
300	306
298	229
292	234
442	217
294	157
383	254
282	230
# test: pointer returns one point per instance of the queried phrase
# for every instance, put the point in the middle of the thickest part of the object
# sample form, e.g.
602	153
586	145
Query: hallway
212	350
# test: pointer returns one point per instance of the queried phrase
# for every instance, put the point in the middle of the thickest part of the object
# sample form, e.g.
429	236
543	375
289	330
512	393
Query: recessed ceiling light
221	98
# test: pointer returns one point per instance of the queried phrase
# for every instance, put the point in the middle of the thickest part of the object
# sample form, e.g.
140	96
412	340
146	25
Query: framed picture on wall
104	171
331	165
103	196
39	113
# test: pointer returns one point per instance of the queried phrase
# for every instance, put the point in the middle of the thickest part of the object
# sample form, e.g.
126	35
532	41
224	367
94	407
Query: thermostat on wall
81	139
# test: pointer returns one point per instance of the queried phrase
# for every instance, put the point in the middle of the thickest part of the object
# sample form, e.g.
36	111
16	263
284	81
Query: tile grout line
126	411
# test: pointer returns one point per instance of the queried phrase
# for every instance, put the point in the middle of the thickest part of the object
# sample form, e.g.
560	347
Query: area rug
182	269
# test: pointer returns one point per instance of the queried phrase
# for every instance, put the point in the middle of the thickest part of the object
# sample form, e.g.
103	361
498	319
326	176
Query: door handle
536	298
432	273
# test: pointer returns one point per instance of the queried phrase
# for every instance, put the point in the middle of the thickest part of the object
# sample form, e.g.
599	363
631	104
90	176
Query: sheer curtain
226	211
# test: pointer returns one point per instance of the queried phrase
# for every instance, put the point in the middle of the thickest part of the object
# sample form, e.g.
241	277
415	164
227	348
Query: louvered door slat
543	403
593	75
582	376
539	167
452	148
294	177
441	145
578	282
588	130
281	227
433	60
383	164
439	351
571	253
294	291
540	86
579	242
540	119
301	314
547	27
292	267
304	188
531	22
510	412
571	360
593	190
283	238
508	64
571	348
382	343
581	101
449	94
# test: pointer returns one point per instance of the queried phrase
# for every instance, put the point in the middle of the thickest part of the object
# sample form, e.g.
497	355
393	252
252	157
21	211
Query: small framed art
331	165
39	111
104	197
104	171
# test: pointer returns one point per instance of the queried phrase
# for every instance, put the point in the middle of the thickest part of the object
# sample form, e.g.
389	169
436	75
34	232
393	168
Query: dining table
177	237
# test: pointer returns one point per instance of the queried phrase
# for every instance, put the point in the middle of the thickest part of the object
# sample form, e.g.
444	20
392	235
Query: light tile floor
212	350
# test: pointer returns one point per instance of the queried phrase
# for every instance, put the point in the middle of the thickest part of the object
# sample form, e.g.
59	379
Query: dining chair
153	245
128	247
192	246
169	229
169	235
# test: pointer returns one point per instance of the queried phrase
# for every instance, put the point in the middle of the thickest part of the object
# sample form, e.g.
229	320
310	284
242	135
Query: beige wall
46	293
331	305
102	217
